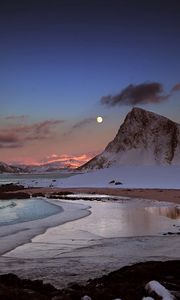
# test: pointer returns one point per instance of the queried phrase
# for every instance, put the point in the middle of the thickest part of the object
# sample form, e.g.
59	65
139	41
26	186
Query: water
122	218
115	234
17	178
19	211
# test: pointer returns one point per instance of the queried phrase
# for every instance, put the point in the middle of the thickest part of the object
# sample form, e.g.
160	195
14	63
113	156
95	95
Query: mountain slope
145	138
5	168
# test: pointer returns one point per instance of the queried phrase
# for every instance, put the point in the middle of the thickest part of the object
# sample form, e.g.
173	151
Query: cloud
176	88
10	145
83	123
20	118
17	136
80	125
66	160
143	93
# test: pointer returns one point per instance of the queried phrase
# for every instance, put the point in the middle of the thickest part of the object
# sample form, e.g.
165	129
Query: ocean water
17	178
19	211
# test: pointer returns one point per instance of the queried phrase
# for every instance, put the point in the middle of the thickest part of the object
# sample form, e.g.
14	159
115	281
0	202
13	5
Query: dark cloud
137	94
16	118
176	88
17	136
83	123
79	125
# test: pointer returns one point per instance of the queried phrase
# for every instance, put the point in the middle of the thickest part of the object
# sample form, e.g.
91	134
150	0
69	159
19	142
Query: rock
38	194
126	283
112	181
118	183
17	195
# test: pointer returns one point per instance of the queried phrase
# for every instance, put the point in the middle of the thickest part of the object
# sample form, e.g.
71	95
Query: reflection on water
128	218
169	212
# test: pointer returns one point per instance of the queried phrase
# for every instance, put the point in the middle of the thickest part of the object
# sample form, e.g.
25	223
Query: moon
99	119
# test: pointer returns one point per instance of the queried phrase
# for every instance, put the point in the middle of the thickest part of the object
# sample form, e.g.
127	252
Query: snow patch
154	287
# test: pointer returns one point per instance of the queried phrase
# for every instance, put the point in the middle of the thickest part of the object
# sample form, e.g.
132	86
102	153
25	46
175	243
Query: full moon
99	119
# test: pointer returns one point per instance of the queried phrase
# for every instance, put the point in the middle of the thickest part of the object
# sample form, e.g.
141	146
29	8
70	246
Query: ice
19	231
18	211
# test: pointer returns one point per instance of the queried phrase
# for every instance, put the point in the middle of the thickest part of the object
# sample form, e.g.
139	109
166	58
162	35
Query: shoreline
167	195
127	283
88	248
39	226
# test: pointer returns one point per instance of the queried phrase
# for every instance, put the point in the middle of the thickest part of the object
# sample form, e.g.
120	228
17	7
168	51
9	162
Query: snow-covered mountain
145	138
5	168
48	167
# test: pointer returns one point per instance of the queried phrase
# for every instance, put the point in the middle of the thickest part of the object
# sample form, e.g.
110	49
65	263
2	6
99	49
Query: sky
65	62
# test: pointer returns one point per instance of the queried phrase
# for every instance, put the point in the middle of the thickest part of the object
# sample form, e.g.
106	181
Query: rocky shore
11	191
127	283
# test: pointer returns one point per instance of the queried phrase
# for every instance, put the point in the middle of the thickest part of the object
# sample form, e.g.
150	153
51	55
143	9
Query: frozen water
18	211
113	235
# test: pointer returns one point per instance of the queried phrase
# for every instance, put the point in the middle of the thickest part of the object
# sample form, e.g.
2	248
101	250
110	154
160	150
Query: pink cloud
22	134
13	118
68	160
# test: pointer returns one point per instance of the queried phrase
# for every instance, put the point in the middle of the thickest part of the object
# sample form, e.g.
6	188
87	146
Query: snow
86	298
166	177
155	287
144	138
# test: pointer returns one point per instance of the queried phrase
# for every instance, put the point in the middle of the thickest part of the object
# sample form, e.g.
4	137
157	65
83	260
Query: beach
97	236
100	242
169	195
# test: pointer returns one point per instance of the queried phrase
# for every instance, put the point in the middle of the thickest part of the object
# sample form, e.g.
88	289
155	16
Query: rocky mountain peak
144	138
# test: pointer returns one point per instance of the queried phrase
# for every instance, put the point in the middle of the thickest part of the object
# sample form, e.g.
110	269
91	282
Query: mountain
144	138
5	168
54	166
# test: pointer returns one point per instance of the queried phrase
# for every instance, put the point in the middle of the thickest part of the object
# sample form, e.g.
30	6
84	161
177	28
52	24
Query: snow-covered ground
130	177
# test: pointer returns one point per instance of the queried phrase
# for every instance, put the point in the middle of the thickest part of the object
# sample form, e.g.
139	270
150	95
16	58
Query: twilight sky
64	62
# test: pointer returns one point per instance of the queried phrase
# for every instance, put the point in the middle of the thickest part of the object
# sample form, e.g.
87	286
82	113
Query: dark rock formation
127	283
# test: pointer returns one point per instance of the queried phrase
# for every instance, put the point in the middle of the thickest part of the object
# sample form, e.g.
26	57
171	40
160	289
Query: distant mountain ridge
48	167
144	138
5	168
